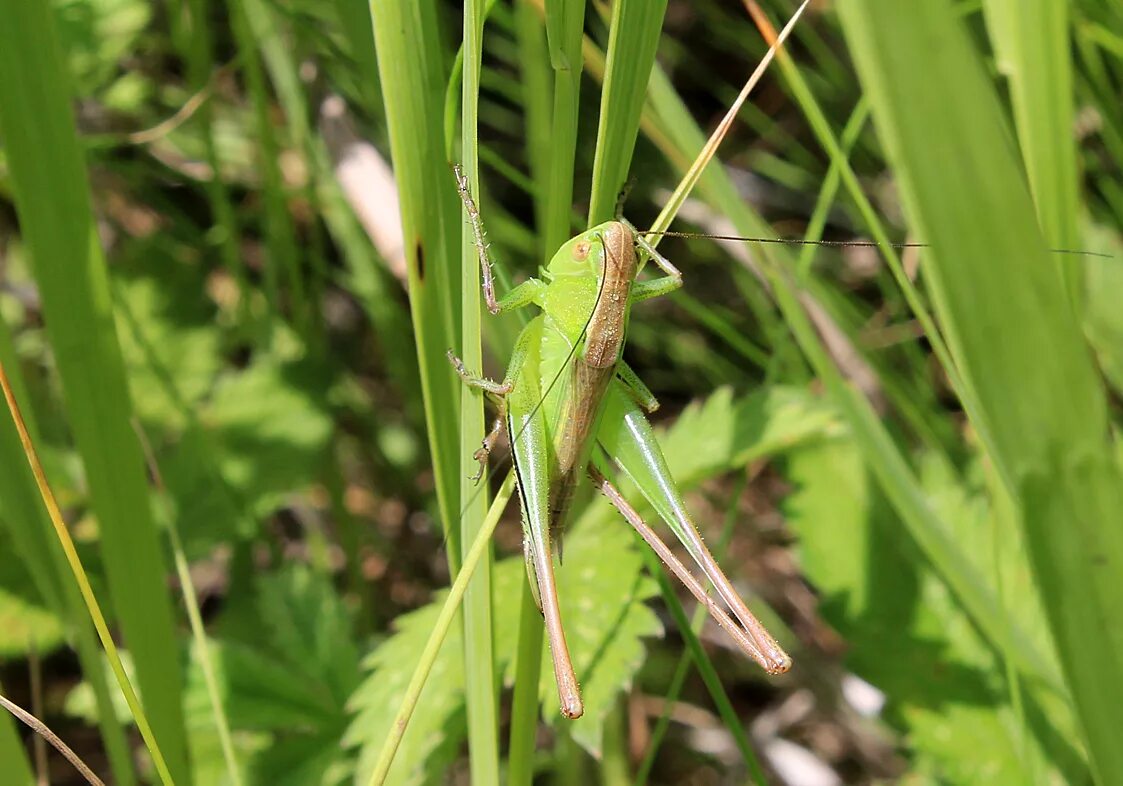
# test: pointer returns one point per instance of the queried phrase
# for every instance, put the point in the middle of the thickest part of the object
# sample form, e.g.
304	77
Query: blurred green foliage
271	355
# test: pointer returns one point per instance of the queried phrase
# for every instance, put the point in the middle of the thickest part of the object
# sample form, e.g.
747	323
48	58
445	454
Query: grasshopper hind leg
745	630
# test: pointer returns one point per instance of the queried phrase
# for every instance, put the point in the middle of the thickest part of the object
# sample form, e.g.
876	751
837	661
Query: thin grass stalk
354	21
413	84
200	63
705	667
538	98
13	754
682	670
1031	41
698	165
194	616
83	581
22	512
277	55
829	190
428	655
43	732
280	238
614	756
479	659
53	202
524	702
1011	326
538	105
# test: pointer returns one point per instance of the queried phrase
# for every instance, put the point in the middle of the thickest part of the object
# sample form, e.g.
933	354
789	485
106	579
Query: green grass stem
449	610
479	659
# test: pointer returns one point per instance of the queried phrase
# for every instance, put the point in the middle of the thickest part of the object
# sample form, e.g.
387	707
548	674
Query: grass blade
13	755
564	25
198	49
82	580
481	544
53	200
413	84
35	542
632	40
1011	328
479	660
1031	40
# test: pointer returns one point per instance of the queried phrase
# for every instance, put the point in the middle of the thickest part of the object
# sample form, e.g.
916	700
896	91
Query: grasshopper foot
476	381
481	456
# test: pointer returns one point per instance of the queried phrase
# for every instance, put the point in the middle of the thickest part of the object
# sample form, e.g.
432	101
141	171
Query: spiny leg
645	290
480	236
773	663
497	391
530	291
488	445
489	386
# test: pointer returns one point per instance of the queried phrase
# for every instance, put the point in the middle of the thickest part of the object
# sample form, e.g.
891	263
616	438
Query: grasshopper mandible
570	404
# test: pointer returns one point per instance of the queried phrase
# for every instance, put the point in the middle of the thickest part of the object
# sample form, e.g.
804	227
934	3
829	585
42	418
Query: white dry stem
367	182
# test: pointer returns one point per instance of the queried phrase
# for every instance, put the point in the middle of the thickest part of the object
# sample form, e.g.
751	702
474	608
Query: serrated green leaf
907	635
262	692
273	428
377	698
207	762
310	628
719	433
305	761
292	682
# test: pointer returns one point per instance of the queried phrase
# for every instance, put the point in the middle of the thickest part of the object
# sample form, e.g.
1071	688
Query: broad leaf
907	635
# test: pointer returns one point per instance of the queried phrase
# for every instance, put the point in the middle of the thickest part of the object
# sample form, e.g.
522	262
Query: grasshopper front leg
664	285
497	391
530	291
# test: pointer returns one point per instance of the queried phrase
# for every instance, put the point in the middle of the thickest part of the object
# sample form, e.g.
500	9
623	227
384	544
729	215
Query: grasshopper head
585	254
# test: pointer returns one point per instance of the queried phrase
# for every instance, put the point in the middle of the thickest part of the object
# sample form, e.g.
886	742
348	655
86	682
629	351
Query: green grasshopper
571	406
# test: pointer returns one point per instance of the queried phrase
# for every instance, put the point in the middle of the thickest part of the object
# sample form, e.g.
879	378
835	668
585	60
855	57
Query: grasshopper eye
581	250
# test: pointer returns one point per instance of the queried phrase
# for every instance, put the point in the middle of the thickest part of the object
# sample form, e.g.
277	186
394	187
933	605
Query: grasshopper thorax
590	279
587	253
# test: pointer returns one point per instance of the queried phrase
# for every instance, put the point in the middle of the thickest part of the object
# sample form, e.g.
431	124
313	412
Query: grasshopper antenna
798	241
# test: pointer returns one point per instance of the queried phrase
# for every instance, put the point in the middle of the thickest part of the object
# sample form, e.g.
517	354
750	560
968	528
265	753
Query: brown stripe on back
605	334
